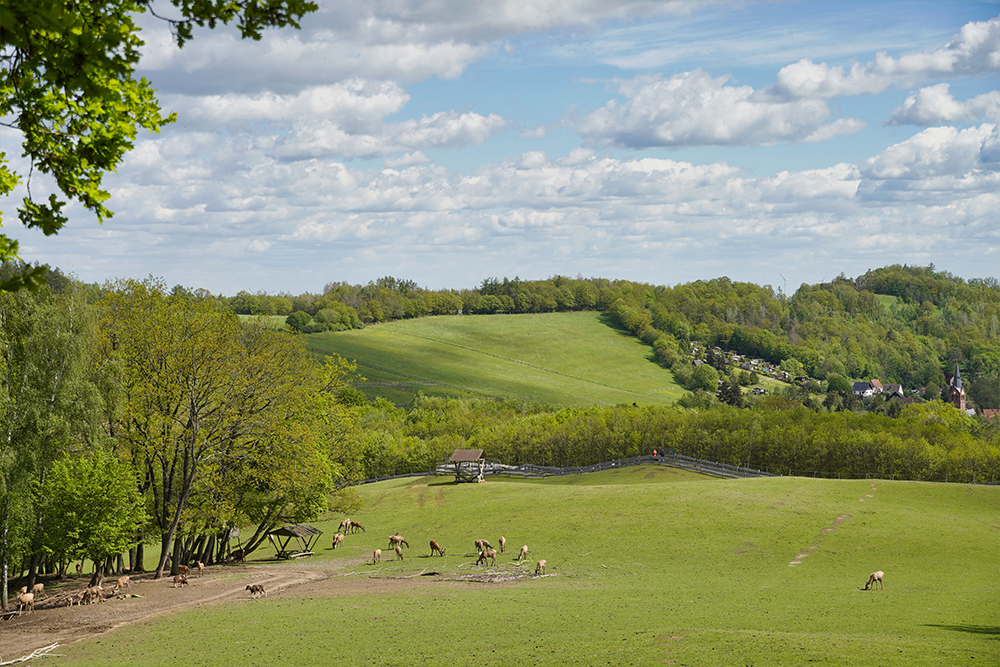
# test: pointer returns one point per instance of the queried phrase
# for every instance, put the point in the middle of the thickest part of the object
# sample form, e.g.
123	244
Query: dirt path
826	531
47	625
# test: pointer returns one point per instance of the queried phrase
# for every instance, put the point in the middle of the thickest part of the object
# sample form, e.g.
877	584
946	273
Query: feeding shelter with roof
469	465
305	537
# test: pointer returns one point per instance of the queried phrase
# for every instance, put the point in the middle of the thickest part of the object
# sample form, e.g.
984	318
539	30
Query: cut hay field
559	358
646	565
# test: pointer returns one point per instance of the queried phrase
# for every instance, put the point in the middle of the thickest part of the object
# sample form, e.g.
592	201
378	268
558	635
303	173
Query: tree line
931	441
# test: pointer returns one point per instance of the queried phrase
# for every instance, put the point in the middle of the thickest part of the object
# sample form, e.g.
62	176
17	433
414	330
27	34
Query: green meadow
646	565
560	358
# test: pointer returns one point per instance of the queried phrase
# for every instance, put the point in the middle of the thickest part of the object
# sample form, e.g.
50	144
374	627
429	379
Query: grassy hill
561	358
647	565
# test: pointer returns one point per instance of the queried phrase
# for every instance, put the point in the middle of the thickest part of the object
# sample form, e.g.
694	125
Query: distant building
862	389
956	392
868	389
893	391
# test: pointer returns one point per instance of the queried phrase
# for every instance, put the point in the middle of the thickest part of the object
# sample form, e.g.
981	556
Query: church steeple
956	393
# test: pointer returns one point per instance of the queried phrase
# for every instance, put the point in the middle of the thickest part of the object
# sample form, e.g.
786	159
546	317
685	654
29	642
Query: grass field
649	565
560	358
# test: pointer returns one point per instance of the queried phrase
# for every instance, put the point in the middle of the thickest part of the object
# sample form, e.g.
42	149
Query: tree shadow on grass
972	629
449	482
609	320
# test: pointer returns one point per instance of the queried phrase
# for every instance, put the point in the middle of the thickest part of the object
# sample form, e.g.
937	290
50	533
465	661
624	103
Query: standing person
654	453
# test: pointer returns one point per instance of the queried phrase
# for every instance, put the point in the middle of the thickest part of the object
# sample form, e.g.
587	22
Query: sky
447	142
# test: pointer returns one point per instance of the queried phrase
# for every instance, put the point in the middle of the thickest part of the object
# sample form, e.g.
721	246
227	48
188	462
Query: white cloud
401	41
344	120
532	133
934	105
934	197
407	160
975	50
842	127
356	105
692	109
936	161
442	130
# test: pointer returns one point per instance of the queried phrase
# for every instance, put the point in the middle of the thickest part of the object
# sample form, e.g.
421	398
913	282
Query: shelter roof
300	530
462	455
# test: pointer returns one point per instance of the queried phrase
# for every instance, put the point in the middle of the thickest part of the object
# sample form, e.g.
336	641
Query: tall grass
651	566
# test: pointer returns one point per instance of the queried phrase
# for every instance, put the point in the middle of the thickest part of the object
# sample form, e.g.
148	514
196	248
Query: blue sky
665	142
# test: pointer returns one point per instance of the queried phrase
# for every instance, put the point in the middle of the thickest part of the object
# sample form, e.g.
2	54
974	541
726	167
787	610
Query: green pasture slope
560	358
648	566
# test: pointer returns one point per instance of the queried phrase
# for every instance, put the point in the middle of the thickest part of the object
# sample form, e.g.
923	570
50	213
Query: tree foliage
928	442
91	507
199	389
48	404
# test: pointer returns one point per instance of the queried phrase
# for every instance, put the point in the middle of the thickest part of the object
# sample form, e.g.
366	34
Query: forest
136	416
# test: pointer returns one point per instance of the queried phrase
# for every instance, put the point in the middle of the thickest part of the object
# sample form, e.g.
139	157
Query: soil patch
50	624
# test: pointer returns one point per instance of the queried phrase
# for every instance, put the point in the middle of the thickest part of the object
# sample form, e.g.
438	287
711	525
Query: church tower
956	392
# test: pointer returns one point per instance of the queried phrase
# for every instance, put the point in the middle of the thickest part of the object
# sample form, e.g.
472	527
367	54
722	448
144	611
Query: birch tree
48	405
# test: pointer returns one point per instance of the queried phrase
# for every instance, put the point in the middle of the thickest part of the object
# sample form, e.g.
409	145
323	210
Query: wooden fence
529	470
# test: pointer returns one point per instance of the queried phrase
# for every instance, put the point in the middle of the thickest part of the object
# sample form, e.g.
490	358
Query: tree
985	392
47	403
68	85
792	366
730	392
282	474
716	360
705	378
298	320
838	384
91	508
245	303
196	384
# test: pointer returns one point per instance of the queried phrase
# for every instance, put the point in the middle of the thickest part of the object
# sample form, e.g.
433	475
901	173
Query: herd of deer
397	542
92	594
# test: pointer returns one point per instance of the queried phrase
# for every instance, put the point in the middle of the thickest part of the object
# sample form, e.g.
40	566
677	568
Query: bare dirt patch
50	624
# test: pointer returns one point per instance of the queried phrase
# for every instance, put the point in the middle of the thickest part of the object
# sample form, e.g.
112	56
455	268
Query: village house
863	389
893	391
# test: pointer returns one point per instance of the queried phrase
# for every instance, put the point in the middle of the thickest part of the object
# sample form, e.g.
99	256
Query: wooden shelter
305	537
469	464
